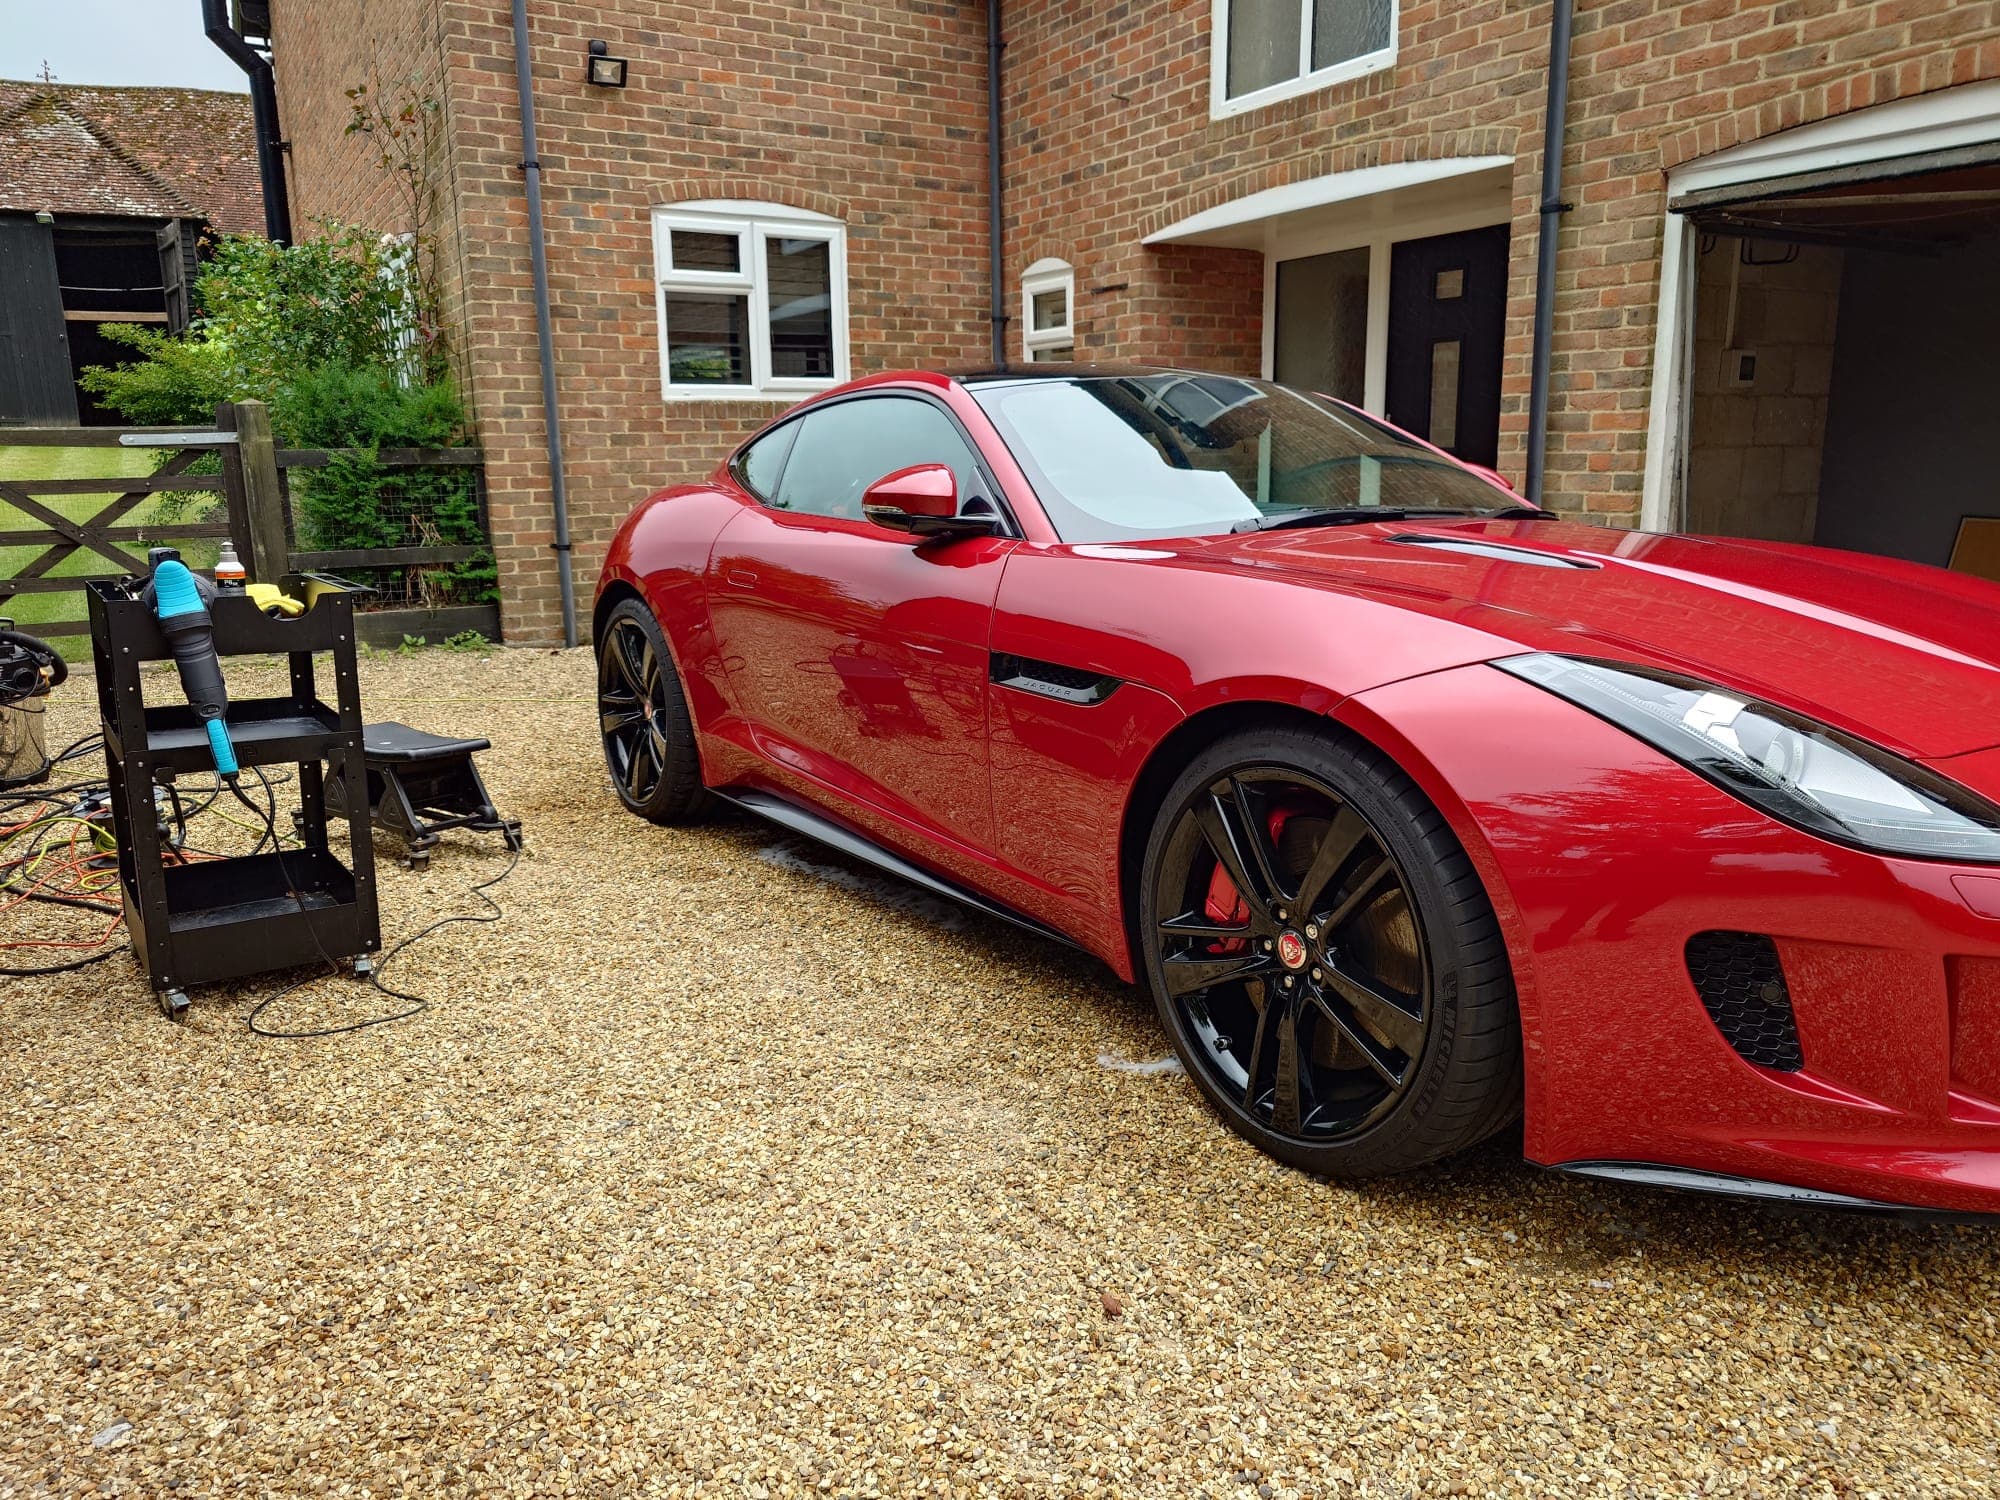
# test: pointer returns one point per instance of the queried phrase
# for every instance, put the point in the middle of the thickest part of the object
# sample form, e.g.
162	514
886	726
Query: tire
1353	1014
648	734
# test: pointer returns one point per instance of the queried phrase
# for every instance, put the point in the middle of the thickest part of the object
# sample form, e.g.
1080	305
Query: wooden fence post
263	491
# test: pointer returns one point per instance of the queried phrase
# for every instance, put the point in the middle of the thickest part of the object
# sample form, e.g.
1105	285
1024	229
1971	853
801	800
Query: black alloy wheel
649	744
1318	943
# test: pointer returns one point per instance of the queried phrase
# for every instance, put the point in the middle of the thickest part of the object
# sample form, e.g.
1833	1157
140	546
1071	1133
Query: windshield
1114	457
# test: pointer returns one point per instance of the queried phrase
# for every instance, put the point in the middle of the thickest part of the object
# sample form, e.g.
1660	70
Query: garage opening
1844	364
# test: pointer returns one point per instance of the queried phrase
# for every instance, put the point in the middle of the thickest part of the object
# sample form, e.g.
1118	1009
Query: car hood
1904	655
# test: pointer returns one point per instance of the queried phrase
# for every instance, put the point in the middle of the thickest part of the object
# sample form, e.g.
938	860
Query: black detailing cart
197	923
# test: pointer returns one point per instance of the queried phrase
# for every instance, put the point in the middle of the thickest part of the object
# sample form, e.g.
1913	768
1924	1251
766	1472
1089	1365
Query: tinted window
844	448
760	464
1168	454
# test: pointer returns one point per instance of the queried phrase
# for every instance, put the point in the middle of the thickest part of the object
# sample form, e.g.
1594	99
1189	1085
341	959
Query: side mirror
923	500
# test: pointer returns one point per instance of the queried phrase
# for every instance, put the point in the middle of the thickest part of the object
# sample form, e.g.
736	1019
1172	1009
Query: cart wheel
511	837
173	1004
417	859
363	966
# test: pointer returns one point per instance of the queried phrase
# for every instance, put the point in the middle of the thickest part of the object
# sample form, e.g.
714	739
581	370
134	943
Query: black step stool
421	784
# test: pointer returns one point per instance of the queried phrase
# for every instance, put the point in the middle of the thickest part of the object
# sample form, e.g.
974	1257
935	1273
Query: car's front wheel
1325	958
649	744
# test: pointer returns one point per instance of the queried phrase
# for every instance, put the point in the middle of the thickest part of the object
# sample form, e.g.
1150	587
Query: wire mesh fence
409	524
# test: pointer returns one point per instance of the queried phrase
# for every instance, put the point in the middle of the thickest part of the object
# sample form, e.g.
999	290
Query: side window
760	464
844	448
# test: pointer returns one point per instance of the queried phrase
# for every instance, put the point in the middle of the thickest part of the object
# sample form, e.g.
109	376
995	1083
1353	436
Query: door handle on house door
740	578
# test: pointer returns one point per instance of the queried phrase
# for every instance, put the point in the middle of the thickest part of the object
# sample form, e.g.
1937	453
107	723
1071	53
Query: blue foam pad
174	592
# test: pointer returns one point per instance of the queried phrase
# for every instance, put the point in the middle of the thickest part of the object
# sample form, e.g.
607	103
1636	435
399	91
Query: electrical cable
416	1004
37	865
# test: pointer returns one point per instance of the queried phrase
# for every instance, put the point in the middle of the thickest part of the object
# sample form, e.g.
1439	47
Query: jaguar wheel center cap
1291	950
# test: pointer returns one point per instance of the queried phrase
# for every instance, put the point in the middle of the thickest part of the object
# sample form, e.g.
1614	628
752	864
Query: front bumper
1604	857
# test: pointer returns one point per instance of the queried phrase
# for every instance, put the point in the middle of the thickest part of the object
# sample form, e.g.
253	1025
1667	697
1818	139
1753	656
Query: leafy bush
336	336
268	313
356	502
175	380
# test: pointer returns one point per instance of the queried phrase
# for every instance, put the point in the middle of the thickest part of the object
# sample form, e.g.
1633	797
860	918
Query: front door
1447	331
859	659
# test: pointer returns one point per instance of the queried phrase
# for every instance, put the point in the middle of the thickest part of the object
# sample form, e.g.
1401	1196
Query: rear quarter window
759	466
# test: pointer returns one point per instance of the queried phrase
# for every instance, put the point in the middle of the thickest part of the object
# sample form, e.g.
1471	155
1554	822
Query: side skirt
1757	1190
796	819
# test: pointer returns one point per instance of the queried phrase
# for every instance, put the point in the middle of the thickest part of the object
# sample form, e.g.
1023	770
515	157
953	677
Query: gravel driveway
722	1168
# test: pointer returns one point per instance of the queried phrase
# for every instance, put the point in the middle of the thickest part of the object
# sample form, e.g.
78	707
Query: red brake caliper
1225	904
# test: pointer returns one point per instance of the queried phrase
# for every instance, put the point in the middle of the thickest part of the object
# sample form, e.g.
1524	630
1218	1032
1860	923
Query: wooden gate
70	540
62	528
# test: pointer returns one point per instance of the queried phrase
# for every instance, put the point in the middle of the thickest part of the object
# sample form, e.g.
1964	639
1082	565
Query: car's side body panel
1063	774
861	661
661	552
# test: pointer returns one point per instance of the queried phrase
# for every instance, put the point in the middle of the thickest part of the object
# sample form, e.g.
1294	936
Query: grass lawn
19	464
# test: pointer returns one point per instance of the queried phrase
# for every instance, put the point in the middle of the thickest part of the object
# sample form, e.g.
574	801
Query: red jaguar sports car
1417	809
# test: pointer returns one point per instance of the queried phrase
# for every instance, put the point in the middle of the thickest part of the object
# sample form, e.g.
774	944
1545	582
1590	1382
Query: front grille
1741	982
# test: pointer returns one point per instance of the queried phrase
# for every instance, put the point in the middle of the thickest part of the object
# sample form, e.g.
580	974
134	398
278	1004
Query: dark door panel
35	384
1447	332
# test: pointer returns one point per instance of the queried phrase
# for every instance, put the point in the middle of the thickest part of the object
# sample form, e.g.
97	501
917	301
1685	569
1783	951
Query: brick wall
399	51
872	111
1109	139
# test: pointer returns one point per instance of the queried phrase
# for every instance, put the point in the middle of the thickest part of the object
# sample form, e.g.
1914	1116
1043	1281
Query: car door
859	659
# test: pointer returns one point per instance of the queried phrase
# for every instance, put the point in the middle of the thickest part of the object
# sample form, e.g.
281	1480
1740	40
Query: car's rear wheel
649	744
1325	958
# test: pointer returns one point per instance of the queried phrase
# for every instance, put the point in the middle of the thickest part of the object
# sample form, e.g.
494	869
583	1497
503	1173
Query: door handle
740	578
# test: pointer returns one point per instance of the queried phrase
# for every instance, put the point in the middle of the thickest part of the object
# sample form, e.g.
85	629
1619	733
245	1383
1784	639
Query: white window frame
1221	106
750	223
1047	275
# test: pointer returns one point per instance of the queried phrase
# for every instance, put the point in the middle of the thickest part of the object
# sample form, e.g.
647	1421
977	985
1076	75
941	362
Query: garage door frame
1926	133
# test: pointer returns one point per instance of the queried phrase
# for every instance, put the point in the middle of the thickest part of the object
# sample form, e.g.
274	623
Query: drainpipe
531	169
263	115
994	246
1552	209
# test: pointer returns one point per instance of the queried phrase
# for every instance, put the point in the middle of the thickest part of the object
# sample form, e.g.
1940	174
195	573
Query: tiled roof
131	152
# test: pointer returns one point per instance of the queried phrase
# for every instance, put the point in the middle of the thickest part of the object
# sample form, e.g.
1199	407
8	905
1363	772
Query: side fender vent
1741	982
1051	679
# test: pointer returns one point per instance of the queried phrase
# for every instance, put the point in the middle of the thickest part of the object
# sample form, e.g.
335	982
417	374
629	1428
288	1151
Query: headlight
1798	770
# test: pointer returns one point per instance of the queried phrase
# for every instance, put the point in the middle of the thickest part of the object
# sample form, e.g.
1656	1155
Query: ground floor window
752	300
1048	312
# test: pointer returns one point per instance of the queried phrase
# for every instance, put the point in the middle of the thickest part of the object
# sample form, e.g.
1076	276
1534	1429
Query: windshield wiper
1348	515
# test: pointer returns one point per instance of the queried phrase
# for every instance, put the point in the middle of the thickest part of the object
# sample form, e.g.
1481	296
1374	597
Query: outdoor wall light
606	71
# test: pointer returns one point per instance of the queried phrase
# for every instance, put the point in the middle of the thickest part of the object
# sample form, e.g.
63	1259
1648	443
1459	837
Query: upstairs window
1267	50
752	300
1048	312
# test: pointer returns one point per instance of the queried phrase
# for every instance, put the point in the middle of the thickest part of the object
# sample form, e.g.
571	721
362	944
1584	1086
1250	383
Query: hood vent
1492	551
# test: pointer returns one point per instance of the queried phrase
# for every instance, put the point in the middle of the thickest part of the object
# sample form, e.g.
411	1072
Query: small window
1048	312
752	300
759	466
1267	50
843	448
